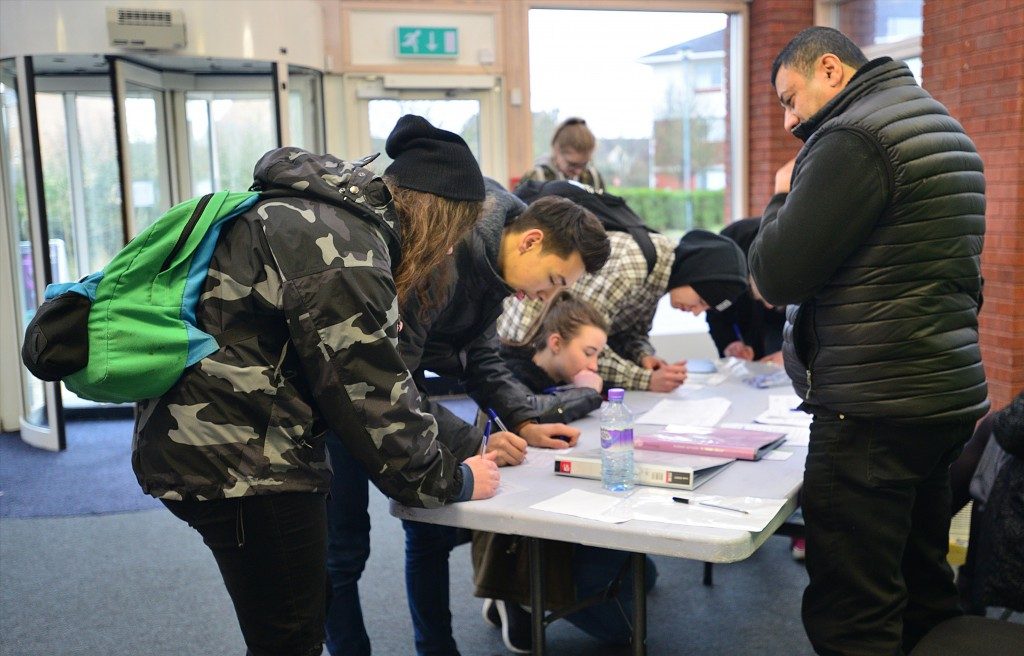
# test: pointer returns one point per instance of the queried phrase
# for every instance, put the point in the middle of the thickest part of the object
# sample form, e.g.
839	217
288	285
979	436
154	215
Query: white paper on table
782	411
780	404
588	505
777	454
539	458
795	435
656	505
700	412
509	488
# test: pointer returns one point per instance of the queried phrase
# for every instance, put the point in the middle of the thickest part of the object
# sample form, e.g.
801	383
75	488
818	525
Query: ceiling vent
146	29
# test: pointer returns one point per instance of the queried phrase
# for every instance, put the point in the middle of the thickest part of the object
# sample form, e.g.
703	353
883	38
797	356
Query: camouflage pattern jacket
310	272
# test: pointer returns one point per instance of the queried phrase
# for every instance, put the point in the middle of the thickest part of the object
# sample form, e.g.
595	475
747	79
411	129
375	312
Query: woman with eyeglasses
572	146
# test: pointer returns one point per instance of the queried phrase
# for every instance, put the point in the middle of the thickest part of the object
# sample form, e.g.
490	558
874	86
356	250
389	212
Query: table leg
537	595
639	563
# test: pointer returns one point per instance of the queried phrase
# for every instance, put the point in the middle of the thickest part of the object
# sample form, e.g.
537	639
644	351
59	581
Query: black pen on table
709	505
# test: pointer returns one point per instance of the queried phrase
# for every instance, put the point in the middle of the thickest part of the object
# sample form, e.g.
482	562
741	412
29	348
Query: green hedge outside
665	209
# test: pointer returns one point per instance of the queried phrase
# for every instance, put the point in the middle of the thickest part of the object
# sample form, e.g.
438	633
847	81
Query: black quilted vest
893	335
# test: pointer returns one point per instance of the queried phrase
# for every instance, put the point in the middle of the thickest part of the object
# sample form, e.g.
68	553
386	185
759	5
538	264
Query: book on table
681	471
739	443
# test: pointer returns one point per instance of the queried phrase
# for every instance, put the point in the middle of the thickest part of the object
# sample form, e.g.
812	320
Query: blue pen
558	388
736	331
487	436
497	420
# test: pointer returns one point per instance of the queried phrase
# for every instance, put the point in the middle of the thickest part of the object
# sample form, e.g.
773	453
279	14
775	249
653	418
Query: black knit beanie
713	265
433	160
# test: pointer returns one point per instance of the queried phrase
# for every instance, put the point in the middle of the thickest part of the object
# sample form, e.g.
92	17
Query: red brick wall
772	24
972	54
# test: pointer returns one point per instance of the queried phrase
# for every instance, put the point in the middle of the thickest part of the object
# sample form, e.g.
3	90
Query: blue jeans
427	585
593	569
348	548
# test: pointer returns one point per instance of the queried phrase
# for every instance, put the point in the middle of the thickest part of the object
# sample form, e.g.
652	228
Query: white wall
235	29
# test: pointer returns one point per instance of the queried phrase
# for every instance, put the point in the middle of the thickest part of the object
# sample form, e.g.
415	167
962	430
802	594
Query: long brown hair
430	226
564	314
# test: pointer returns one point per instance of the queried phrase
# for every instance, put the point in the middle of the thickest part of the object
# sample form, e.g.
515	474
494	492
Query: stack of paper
702	412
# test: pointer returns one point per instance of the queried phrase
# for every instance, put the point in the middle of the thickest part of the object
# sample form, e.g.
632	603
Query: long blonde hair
430	226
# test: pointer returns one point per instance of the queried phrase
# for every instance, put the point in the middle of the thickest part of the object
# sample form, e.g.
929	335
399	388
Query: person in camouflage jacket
512	250
315	271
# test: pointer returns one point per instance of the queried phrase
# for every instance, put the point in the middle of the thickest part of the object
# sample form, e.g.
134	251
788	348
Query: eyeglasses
571	165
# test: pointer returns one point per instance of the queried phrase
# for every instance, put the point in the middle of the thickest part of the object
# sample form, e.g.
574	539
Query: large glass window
883	28
656	102
874	22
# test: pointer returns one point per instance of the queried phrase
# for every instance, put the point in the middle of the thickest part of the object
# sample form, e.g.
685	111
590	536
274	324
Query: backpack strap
234	336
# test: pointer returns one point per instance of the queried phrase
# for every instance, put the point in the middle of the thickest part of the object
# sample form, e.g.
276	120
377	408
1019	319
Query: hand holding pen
510	449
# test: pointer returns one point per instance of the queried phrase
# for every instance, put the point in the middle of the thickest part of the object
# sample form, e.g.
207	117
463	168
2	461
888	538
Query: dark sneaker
490	613
515	626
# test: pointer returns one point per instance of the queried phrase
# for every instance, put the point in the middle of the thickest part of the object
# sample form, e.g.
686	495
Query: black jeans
270	550
876	504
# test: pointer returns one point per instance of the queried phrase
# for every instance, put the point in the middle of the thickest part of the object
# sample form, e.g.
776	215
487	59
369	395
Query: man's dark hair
803	51
568	228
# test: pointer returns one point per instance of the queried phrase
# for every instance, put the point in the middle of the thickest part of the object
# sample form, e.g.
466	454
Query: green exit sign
427	41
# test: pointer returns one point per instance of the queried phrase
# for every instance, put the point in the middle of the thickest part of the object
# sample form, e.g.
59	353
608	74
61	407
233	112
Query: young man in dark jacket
513	250
874	238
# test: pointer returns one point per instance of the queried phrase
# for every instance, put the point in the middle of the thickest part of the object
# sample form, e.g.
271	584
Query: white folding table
522	486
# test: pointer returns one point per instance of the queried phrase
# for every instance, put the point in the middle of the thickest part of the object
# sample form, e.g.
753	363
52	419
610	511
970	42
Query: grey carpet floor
93	476
143	583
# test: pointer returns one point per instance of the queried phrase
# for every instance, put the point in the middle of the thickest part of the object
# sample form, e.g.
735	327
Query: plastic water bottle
617	443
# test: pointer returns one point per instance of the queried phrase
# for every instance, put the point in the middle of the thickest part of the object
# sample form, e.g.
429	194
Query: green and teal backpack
128	332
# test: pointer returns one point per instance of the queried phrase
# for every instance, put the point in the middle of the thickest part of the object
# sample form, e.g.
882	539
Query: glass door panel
15	212
41	423
141	133
227	135
305	108
147	139
461	116
100	212
472	111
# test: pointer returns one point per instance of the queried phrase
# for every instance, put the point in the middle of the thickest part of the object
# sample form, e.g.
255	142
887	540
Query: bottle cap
616	394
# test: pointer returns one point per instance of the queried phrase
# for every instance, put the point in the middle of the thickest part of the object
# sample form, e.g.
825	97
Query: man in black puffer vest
874	238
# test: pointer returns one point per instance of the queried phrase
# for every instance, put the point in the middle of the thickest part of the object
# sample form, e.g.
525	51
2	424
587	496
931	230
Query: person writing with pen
751	329
556	363
514	250
700	271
